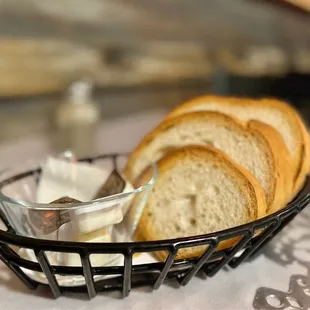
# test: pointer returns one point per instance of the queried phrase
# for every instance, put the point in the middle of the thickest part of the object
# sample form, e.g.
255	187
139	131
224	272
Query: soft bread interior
272	112
244	110
199	190
209	128
198	206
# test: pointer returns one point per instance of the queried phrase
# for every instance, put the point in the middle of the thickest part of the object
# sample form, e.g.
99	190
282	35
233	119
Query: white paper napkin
60	178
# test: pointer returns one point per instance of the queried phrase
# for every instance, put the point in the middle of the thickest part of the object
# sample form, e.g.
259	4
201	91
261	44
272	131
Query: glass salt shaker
76	120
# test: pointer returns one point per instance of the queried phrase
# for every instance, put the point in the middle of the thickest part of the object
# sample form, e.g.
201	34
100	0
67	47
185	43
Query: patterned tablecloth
282	269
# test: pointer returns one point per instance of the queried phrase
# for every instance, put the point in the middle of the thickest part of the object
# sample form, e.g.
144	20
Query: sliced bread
243	144
304	167
275	113
283	161
199	190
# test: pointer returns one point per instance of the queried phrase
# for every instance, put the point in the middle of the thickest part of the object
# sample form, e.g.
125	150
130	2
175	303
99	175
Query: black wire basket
252	238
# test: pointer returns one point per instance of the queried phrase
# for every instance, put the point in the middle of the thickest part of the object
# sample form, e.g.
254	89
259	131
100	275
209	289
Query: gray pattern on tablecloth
292	245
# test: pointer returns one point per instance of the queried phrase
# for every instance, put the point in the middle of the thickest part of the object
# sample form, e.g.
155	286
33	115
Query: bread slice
283	161
199	190
304	167
275	113
243	144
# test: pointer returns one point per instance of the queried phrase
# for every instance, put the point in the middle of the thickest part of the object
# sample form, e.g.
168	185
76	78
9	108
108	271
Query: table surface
285	256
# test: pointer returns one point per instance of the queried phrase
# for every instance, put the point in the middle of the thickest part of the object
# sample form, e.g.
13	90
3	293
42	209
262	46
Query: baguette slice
283	163
199	190
243	144
304	167
275	113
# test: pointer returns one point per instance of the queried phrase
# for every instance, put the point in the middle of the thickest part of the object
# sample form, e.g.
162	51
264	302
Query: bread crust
241	176
206	116
303	136
284	173
301	160
305	165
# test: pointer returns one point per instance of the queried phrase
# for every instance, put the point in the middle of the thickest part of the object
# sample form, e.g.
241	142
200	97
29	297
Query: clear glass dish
113	218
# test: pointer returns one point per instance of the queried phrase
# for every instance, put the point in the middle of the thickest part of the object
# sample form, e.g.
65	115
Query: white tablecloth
229	289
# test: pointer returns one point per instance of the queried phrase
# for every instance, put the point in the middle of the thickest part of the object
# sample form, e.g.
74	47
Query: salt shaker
76	119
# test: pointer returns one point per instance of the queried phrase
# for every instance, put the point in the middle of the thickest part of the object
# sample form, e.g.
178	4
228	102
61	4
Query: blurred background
93	76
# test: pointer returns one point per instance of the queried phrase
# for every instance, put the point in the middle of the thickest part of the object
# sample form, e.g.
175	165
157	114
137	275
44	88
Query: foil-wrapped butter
104	213
48	221
114	184
85	182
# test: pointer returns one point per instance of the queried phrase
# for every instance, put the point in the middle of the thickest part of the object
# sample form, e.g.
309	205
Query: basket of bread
208	187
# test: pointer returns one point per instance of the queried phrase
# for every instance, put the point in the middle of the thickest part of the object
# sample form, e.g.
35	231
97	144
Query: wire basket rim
67	246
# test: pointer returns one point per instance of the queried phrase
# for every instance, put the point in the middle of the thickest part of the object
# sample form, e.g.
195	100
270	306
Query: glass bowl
112	218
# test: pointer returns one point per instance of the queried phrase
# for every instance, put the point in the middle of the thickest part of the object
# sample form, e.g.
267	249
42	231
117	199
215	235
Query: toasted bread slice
243	144
199	190
275	113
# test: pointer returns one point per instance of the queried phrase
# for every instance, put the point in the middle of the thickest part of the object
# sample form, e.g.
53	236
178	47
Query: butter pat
89	219
102	235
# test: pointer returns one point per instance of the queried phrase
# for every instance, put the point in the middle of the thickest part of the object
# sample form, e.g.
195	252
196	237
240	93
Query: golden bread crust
284	174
